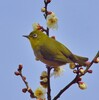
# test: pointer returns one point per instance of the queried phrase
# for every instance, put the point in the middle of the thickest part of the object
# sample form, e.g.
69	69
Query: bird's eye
34	35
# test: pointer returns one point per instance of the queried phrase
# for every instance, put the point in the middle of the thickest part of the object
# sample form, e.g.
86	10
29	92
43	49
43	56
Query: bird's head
35	37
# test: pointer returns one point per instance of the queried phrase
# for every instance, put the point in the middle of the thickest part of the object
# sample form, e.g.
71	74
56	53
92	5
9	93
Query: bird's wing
65	51
75	58
52	53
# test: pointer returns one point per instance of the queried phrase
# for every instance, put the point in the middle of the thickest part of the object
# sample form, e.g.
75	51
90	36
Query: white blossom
52	21
58	71
40	93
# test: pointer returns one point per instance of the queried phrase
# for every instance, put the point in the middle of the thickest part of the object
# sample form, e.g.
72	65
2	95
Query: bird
51	52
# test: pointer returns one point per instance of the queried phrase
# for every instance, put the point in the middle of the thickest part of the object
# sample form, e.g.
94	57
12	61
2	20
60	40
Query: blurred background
78	29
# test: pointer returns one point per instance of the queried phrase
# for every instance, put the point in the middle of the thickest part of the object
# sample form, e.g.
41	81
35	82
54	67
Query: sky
78	29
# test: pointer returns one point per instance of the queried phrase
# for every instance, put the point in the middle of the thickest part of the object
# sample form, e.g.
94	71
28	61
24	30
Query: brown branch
65	88
48	67
45	15
27	89
49	87
97	55
76	78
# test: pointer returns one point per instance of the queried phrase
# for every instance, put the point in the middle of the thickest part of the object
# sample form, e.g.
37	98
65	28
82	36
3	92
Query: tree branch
65	88
27	89
97	55
76	78
48	88
48	67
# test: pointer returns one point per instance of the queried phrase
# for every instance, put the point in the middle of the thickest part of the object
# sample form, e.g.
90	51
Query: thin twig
97	55
19	73
24	80
75	79
45	15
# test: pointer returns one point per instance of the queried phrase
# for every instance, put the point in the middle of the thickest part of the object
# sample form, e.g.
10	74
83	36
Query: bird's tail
81	60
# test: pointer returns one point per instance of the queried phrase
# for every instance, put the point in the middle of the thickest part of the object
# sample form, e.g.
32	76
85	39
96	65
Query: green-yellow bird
52	52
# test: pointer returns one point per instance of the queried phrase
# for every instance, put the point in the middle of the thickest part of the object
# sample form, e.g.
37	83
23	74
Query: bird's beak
26	36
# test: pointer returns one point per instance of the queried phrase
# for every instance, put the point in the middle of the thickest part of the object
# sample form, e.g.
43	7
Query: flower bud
48	1
89	71
96	60
36	26
43	9
81	70
44	74
16	73
20	67
24	90
72	65
82	85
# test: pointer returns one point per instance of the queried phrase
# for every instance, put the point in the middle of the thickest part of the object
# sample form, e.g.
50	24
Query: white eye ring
34	35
